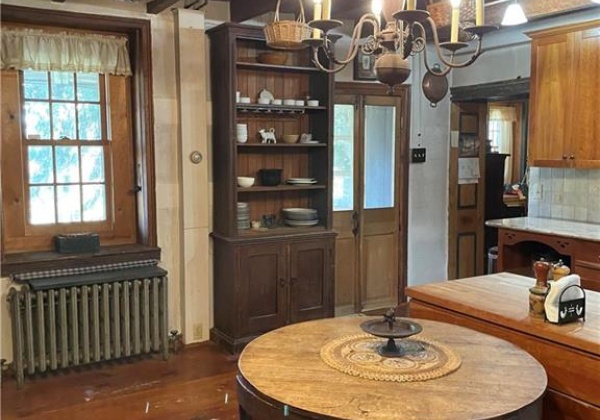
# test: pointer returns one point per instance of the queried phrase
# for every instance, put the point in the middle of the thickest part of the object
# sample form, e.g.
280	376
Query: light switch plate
418	155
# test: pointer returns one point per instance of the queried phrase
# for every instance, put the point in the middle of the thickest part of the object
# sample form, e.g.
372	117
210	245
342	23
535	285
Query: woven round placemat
357	355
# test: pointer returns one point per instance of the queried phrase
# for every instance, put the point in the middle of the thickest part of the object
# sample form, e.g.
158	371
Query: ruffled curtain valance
32	49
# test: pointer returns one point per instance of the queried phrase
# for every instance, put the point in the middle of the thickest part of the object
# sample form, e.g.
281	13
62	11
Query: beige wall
184	192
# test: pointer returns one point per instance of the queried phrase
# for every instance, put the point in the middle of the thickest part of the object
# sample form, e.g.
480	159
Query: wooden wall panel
466	245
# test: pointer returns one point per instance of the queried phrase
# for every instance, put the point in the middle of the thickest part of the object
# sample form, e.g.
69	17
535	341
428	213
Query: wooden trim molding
582	26
506	89
138	32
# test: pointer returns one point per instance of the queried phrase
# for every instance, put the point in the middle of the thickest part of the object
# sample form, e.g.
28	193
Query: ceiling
242	10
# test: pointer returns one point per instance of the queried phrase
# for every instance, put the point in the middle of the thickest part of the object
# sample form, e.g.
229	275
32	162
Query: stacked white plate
299	217
241	133
243	216
301	181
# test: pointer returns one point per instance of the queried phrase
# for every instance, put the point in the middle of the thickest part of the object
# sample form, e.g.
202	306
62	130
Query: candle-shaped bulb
318	14
326	10
455	3
479	17
376	7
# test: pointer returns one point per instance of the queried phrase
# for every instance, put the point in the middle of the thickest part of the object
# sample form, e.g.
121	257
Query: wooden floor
193	384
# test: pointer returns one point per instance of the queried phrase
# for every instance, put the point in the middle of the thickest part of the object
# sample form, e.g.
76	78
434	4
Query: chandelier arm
354	45
316	62
440	54
440	72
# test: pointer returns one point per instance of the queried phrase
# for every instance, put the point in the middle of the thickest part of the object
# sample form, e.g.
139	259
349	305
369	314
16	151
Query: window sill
39	261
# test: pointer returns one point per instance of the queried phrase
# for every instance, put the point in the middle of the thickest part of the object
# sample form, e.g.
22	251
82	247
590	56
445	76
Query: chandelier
404	35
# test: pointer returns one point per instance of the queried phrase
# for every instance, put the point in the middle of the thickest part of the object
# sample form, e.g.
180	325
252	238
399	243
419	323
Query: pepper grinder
537	293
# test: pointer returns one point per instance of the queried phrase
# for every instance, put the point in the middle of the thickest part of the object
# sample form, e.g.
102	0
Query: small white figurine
268	137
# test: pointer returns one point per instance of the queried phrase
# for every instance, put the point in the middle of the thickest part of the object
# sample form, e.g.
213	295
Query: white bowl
312	102
244	100
264	101
289	102
276	102
245	181
299	102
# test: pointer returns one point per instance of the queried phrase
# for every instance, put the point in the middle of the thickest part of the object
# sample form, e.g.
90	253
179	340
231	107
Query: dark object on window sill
79	243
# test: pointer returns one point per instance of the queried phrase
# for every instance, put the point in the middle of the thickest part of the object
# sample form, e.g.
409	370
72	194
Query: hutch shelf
265	278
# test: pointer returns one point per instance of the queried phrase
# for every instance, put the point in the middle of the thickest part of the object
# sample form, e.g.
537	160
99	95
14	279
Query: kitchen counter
497	304
564	228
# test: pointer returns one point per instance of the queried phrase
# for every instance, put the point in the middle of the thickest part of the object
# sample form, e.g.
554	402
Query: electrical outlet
197	332
418	155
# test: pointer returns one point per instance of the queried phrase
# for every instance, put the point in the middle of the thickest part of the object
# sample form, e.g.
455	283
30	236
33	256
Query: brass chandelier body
404	35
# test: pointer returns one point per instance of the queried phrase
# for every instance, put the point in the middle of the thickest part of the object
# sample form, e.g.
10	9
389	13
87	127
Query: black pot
270	177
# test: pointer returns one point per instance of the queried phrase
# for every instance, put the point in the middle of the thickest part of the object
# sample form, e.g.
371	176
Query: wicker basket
441	12
287	34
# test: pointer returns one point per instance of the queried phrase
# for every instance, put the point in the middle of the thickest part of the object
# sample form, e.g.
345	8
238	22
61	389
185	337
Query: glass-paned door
366	210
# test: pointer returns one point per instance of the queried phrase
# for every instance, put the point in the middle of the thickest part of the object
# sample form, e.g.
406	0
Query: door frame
402	173
516	90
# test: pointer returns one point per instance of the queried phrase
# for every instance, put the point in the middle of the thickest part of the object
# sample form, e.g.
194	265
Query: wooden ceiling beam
156	6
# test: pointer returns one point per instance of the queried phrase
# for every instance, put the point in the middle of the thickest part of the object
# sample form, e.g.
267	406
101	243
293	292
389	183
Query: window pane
380	136
41	168
67	165
89	122
343	158
68	203
63	121
35	84
94	203
92	164
41	205
88	87
63	87
37	120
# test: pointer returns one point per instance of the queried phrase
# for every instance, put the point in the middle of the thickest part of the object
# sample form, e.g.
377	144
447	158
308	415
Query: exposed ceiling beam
156	6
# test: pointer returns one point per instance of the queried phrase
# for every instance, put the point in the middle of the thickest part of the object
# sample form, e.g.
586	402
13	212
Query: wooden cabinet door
552	85
263	290
311	282
586	121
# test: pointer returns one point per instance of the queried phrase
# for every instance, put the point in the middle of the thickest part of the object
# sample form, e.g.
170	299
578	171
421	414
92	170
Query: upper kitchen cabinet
565	97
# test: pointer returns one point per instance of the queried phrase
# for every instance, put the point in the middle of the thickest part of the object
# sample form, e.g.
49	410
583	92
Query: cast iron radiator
57	324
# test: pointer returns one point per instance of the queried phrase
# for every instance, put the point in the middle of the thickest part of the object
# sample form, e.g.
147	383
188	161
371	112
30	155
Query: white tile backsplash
570	194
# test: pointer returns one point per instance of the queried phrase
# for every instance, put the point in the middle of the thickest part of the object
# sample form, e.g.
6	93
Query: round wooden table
282	376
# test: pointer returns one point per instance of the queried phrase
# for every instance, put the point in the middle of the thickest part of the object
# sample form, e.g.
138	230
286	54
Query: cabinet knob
281	282
293	281
572	157
564	156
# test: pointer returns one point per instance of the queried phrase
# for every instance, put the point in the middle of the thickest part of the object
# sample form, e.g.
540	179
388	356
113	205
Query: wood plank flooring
192	385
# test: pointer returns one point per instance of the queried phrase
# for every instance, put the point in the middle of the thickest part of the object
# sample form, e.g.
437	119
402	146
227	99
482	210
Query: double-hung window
67	148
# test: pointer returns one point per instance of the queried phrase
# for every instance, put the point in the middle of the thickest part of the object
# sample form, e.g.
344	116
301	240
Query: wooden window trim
138	32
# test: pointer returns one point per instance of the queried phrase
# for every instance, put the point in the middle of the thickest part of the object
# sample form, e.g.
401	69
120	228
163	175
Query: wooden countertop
502	299
566	228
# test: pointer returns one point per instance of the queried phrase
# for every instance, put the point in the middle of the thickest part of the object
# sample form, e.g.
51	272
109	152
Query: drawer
590	278
589	252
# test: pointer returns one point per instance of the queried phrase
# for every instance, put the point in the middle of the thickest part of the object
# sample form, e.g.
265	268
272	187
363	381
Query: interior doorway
488	125
370	197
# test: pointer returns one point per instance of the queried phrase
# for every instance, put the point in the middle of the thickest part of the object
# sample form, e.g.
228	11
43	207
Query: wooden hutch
267	278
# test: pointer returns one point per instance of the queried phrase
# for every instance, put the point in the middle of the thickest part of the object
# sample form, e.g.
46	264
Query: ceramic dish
301	223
